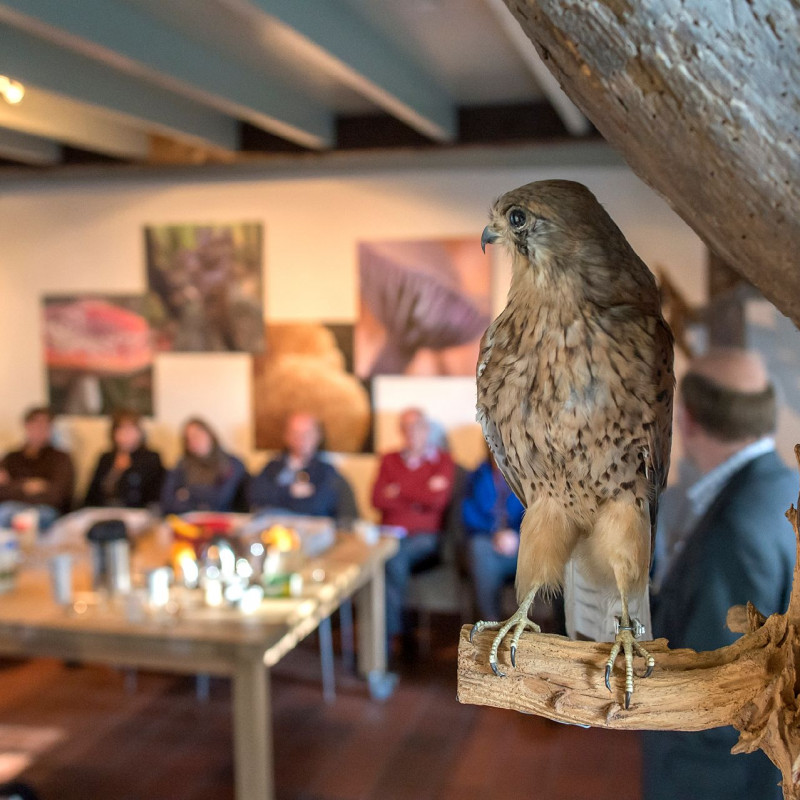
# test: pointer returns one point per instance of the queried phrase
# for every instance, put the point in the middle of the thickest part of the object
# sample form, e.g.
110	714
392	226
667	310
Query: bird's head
547	224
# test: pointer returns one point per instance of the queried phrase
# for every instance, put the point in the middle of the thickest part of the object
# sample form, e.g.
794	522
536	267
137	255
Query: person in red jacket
413	490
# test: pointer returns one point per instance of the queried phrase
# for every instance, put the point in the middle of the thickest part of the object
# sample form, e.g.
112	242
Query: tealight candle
251	599
158	587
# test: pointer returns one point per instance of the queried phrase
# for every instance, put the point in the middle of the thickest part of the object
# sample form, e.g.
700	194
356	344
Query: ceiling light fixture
12	91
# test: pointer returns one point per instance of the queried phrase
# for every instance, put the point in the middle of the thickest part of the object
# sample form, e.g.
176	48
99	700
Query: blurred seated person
206	478
412	491
299	480
492	515
129	475
37	476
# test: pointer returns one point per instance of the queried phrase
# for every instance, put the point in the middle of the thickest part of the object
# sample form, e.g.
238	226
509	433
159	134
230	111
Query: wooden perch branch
752	684
563	680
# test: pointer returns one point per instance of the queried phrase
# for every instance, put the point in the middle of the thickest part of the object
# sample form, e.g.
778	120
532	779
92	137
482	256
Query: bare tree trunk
703	100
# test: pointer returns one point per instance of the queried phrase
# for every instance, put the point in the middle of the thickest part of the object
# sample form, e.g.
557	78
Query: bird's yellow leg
519	622
625	640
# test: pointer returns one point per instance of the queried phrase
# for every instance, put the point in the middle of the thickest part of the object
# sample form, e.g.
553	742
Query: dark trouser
700	766
490	572
10	508
413	550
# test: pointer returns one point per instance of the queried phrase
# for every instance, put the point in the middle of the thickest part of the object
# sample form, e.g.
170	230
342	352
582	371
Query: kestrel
575	388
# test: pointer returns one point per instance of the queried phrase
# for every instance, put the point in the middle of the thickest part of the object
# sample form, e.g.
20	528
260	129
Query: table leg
371	605
326	660
252	731
346	629
202	687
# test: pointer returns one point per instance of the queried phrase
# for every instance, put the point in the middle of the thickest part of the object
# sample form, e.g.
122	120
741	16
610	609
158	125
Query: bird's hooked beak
488	237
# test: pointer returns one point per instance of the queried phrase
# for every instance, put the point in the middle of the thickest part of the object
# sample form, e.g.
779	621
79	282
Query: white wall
86	236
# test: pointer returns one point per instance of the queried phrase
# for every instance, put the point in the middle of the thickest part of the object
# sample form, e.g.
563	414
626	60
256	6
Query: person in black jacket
129	475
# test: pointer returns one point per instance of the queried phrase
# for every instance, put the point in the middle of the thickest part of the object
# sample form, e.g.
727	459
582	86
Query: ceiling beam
572	117
129	40
571	154
31	60
337	40
25	149
51	116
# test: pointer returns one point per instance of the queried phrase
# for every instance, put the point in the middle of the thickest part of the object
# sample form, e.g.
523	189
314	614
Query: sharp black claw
649	671
513	656
472	633
628	700
496	670
608	677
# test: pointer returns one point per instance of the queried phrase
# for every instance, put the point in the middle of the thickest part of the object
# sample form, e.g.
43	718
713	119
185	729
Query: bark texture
703	100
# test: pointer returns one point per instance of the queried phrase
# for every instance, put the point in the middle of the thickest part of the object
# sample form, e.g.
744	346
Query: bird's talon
480	626
519	622
626	643
496	670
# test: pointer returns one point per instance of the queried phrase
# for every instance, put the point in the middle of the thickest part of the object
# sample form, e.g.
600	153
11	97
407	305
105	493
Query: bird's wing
660	435
495	442
490	430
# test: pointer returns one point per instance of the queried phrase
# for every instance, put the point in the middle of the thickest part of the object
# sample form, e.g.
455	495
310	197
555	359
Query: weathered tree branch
702	100
753	684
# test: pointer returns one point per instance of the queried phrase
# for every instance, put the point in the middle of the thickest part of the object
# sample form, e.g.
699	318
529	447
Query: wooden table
205	640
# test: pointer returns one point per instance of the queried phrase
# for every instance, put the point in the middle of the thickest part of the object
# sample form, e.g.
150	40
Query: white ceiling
121	78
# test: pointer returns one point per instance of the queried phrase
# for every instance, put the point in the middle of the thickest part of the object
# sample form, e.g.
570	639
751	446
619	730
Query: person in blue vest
491	514
735	546
300	481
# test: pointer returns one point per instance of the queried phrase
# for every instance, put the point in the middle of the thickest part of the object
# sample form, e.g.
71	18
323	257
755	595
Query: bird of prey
575	387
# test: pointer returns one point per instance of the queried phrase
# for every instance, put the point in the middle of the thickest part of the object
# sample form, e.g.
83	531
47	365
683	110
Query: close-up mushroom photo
424	306
304	368
99	354
205	286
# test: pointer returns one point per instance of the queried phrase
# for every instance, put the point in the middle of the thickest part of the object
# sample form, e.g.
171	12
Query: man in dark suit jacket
736	547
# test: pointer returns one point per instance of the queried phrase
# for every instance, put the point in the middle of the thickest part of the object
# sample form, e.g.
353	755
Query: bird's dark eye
517	218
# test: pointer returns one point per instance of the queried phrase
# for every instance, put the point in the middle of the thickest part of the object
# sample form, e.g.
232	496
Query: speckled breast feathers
575	376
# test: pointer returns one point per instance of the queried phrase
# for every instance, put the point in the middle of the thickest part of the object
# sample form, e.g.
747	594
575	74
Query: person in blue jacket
206	478
492	514
300	481
735	546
